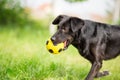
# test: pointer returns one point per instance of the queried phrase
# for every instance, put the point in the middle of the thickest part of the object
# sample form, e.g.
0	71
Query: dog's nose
53	38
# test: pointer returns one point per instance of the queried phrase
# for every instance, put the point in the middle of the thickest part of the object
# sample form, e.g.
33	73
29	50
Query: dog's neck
77	37
79	41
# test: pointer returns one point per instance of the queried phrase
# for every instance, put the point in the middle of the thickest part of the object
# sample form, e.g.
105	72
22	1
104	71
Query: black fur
95	41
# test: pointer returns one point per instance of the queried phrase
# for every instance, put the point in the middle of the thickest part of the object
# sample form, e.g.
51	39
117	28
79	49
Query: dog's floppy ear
76	23
58	19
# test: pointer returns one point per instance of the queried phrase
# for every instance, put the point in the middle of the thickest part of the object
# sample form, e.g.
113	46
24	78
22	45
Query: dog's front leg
97	63
94	70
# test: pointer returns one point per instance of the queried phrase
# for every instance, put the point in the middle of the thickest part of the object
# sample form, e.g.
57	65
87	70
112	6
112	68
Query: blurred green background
23	55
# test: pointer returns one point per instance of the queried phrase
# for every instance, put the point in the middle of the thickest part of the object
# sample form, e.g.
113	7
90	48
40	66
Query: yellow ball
55	49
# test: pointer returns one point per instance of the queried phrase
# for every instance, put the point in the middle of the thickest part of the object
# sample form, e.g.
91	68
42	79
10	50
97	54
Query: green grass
23	56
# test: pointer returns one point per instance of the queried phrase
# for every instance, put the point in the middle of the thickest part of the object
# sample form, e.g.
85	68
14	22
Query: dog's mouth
66	44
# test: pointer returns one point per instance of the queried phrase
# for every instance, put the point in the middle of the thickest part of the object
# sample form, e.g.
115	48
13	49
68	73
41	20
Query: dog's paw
101	74
106	73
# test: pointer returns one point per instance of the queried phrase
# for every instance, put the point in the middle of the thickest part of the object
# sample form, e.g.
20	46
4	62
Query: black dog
95	41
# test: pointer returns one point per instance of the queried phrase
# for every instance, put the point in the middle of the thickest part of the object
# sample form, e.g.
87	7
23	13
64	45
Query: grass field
23	56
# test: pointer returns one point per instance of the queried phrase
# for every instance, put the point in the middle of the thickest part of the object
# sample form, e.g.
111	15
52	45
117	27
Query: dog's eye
63	30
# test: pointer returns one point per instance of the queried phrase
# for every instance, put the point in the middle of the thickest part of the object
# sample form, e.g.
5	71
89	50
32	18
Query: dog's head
67	27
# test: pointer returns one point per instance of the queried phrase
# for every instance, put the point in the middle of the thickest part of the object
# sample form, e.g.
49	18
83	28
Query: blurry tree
116	12
75	0
12	12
